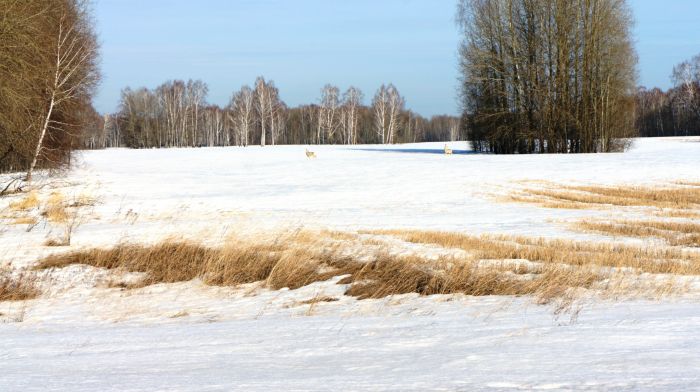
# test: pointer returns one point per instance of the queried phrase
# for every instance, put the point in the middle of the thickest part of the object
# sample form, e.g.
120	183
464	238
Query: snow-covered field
81	335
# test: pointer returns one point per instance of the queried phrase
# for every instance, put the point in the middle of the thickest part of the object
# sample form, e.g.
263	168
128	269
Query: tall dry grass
17	287
284	264
545	269
55	209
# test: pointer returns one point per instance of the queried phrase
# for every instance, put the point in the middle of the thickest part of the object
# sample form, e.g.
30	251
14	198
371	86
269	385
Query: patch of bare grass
547	203
24	220
17	287
282	264
688	214
577	197
67	215
55	242
28	202
656	260
675	233
548	270
55	210
178	261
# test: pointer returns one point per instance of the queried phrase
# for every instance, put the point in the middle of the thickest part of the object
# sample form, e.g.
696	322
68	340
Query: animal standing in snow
310	154
448	151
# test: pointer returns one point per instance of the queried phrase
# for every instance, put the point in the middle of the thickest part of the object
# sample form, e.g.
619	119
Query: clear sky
304	44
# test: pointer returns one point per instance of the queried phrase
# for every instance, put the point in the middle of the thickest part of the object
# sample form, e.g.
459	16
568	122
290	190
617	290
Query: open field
369	267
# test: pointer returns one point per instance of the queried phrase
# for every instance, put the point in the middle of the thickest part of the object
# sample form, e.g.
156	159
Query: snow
369	186
82	335
466	344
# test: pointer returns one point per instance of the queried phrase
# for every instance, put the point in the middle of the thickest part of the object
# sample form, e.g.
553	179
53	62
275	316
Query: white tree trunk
40	143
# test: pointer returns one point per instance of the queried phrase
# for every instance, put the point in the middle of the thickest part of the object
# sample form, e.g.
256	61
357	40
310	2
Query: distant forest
675	112
176	114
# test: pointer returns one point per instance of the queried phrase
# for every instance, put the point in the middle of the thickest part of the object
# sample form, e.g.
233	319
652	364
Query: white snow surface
82	336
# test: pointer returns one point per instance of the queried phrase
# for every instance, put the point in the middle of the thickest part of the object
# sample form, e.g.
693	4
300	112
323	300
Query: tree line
48	74
675	112
537	76
176	114
547	76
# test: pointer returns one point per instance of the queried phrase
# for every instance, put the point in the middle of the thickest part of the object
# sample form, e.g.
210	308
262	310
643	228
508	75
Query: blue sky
304	44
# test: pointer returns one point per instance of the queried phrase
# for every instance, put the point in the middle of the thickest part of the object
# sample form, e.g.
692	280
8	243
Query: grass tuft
29	202
55	210
17	288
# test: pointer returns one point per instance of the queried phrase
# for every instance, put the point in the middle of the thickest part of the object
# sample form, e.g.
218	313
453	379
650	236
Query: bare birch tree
196	94
262	106
73	71
352	100
380	107
274	107
396	106
328	113
243	112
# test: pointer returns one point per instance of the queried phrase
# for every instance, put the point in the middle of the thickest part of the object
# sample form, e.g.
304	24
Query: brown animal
310	154
448	151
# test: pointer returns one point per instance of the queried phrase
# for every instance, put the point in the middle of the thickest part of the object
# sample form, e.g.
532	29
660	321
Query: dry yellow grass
24	220
558	252
16	288
30	201
578	197
55	242
688	214
280	266
55	209
495	265
174	261
675	233
547	203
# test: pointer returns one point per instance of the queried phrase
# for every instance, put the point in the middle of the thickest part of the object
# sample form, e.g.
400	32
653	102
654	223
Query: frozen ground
83	336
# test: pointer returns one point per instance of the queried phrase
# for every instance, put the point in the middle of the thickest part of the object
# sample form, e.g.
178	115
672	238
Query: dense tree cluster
176	114
548	76
675	112
48	72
